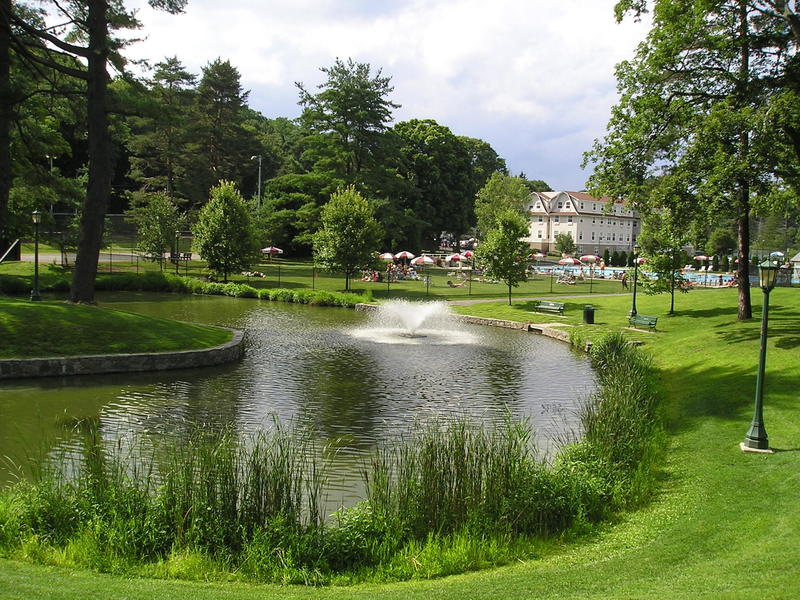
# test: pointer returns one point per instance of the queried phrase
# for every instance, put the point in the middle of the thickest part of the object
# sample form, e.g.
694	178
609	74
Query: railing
10	248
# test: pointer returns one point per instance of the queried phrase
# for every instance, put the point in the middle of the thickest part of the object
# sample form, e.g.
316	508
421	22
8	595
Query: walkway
529	298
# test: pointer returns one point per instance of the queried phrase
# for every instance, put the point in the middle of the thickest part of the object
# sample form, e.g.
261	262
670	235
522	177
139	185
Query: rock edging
123	363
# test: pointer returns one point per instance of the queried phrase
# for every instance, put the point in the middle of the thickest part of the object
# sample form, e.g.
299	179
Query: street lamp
36	217
258	190
756	438
636	249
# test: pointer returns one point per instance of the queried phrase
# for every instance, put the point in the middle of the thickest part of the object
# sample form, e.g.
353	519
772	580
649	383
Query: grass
722	525
300	274
38	329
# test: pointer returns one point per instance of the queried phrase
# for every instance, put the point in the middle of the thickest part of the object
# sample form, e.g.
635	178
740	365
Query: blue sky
534	78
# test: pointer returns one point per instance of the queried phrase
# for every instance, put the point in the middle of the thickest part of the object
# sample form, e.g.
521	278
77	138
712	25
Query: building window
594	206
581	205
556	218
581	220
540	234
594	220
540	218
601	221
580	235
593	235
569	219
613	237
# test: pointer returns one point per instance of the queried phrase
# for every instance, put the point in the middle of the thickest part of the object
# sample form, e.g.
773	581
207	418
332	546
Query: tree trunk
6	102
743	268
743	187
509	294
99	186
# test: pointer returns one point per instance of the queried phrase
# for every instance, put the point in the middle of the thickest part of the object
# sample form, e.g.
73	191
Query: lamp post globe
756	438
36	217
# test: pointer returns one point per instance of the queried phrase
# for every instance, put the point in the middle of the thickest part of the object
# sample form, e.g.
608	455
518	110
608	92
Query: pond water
336	370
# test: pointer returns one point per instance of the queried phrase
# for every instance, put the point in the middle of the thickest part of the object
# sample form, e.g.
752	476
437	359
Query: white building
585	218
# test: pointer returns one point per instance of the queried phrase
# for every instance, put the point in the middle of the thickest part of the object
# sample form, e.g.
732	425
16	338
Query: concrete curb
123	363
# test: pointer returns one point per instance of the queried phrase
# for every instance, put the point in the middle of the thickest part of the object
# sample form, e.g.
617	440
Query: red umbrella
404	254
702	257
569	261
271	250
468	254
537	255
590	258
422	260
387	256
641	260
456	256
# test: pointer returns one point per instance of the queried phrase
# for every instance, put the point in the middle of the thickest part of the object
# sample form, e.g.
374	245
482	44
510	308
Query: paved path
526	299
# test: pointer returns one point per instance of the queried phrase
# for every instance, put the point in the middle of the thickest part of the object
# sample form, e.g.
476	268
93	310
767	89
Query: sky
534	78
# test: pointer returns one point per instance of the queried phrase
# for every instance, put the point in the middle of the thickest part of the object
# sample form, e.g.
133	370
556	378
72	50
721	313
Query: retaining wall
123	363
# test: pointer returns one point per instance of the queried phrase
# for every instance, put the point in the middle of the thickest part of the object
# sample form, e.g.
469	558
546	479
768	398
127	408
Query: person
451	284
624	280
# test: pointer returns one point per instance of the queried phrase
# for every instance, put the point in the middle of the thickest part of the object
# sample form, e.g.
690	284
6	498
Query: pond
334	370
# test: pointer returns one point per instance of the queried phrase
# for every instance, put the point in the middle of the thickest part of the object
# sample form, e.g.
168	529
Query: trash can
588	314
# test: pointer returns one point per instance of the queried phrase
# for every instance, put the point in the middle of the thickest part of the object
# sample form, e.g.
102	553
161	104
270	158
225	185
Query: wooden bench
548	306
638	320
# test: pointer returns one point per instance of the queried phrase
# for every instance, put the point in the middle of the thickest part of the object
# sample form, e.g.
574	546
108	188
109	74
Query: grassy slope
725	525
31	329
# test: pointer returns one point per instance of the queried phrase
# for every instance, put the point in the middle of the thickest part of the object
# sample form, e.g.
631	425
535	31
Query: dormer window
560	204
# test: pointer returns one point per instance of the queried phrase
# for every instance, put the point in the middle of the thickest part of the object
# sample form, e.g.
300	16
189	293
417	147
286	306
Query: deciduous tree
349	236
502	251
223	234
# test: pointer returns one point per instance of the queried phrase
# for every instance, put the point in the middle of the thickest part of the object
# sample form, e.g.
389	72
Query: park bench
549	306
639	320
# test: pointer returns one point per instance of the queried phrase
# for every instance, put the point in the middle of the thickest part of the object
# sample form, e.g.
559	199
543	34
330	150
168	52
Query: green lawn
724	525
33	329
300	273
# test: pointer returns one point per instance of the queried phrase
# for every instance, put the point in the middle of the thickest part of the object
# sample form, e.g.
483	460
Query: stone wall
123	363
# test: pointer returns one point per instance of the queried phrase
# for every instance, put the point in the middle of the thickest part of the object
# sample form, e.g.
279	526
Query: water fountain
404	322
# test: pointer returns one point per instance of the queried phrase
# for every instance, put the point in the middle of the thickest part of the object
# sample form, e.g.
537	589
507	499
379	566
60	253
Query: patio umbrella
591	259
468	254
386	256
537	256
404	255
641	260
422	260
456	257
569	261
271	251
777	254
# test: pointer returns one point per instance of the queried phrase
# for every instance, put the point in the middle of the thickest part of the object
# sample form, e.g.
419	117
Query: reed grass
451	496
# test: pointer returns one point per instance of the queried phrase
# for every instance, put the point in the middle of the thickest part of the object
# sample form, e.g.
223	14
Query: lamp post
636	249
756	438
258	190
177	250
36	217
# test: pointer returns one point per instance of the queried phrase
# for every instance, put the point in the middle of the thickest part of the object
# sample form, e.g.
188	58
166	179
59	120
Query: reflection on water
313	365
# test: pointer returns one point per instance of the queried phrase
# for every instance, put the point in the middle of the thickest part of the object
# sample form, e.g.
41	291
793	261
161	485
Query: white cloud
521	74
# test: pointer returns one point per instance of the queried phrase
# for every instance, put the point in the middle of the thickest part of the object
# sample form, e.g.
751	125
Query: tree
350	234
661	239
695	112
438	166
92	21
160	157
157	218
221	143
223	232
348	116
503	253
500	193
565	244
